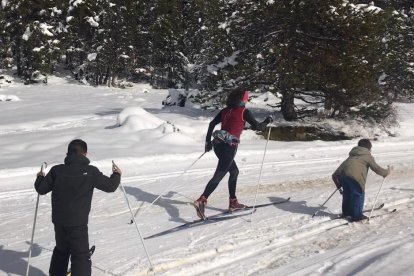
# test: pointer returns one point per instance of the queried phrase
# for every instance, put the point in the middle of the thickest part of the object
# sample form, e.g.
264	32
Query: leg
213	183
357	199
234	173
79	245
225	154
60	256
346	196
233	202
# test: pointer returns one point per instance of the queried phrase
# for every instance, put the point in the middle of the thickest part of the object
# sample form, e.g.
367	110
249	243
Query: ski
349	222
91	251
225	215
383	214
379	207
244	209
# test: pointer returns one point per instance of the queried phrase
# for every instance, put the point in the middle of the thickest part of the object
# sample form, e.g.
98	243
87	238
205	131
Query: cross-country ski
225	215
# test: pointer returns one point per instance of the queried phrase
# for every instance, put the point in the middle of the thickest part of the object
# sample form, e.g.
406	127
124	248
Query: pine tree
82	29
320	52
6	57
398	39
167	61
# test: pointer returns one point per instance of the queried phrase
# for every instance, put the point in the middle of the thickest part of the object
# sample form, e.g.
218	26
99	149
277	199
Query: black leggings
226	163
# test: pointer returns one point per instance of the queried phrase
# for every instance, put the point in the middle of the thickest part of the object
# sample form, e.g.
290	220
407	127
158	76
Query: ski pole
44	165
168	187
133	218
260	173
325	202
375	201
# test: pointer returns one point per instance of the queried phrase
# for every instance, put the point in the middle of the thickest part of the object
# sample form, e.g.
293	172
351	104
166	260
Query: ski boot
235	205
199	205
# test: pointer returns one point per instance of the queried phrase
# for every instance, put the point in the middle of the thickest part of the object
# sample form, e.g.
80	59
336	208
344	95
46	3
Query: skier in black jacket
72	186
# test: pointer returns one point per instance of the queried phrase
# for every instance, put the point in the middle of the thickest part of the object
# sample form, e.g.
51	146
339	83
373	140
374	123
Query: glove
116	169
208	146
269	119
336	181
40	174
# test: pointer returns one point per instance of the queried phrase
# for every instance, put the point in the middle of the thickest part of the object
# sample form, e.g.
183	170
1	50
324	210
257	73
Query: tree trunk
328	101
114	79
107	78
288	105
19	57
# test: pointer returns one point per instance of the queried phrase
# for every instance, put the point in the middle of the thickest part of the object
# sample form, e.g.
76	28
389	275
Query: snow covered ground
153	147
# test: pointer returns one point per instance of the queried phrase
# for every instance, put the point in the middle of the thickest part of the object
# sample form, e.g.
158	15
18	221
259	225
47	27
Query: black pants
71	241
226	163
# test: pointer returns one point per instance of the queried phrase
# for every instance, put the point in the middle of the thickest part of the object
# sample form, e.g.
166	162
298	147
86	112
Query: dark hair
77	147
366	143
234	97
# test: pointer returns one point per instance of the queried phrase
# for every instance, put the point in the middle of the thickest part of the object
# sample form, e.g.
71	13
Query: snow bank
136	118
9	98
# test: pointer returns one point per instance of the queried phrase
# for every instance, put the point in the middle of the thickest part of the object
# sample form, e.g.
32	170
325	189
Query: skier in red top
225	142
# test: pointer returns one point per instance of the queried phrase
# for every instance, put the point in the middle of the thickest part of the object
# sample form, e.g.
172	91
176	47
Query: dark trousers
352	198
225	153
73	242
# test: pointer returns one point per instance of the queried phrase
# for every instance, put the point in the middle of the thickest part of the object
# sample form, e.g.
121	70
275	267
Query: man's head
366	143
77	147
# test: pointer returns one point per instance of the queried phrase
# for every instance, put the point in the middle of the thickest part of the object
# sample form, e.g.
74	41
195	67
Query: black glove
336	181
269	119
208	146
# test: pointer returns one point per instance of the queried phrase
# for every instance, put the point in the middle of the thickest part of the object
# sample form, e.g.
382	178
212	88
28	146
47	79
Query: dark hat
366	143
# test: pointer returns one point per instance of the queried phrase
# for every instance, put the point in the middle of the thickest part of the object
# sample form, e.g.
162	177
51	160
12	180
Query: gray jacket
357	164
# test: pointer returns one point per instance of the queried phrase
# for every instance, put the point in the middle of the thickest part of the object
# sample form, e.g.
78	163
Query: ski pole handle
43	166
115	168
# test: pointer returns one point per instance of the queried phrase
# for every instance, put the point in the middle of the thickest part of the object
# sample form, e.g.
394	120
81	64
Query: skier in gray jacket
351	175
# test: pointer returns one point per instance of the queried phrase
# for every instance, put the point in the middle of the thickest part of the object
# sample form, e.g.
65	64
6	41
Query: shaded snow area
154	146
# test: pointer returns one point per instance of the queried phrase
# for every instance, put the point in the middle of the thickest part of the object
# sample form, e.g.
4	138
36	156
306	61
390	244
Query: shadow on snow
14	262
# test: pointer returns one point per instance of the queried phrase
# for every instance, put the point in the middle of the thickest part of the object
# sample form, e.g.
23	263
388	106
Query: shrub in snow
175	97
8	98
123	84
3	79
167	127
36	77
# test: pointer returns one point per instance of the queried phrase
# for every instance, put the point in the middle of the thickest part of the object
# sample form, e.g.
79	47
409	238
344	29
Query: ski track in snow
279	240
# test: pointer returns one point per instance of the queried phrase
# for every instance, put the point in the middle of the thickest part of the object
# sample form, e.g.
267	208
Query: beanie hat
366	143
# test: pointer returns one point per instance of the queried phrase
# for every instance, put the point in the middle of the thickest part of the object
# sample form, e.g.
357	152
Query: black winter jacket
72	187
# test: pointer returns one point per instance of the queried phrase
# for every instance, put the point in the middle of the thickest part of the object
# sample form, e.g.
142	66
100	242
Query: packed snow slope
154	147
